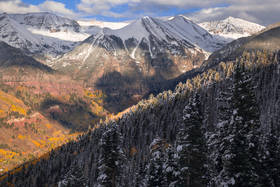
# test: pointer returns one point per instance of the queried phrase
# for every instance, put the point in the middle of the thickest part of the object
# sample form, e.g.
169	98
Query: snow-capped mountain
51	25
151	34
46	21
18	36
232	28
178	31
147	45
144	56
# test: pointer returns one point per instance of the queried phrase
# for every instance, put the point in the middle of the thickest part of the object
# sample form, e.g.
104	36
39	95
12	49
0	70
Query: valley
73	92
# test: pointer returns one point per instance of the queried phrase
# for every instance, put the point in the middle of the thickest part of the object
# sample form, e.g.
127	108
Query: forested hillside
220	128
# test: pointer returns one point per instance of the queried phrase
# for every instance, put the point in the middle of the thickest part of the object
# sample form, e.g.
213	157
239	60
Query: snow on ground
111	25
67	36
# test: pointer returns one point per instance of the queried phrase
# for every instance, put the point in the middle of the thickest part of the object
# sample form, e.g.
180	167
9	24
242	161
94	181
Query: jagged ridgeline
220	128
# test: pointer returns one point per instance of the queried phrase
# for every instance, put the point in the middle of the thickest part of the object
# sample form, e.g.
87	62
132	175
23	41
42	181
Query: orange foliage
21	137
36	143
7	154
48	126
133	151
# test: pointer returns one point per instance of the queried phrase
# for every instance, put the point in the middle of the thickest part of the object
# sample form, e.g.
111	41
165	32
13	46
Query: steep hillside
40	109
46	88
13	57
25	133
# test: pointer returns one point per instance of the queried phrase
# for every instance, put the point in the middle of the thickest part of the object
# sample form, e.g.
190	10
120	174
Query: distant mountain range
52	35
232	28
148	51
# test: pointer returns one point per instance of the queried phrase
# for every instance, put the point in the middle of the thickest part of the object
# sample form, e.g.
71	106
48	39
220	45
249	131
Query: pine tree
270	159
74	178
111	158
171	167
191	146
218	141
140	175
240	158
155	170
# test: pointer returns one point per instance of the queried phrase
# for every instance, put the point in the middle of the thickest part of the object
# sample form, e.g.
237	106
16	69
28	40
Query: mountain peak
232	28
146	17
4	15
231	18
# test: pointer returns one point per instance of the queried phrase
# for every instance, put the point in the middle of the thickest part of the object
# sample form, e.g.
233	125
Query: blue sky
70	4
119	9
259	11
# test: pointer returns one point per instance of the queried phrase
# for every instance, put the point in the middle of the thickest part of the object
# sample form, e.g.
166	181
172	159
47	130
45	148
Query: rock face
139	57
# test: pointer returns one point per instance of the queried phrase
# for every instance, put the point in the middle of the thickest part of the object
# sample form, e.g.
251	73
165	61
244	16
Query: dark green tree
171	167
270	159
155	171
240	158
218	141
190	145
74	177
111	158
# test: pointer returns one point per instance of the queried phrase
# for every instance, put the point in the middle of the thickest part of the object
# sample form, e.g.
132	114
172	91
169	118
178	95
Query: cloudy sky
260	11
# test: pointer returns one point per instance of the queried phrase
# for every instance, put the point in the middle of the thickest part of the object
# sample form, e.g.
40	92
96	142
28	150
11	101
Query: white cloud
262	12
56	7
17	6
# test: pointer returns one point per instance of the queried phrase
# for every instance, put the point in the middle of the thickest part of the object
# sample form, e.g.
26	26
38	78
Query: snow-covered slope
100	24
46	21
177	42
178	31
20	36
51	25
17	36
232	28
93	27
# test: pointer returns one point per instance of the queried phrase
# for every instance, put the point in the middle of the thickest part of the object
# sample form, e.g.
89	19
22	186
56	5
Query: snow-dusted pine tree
111	158
190	145
218	140
155	171
74	178
240	158
270	159
171	167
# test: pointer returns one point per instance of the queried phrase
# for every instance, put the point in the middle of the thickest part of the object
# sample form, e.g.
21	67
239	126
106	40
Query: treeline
220	128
